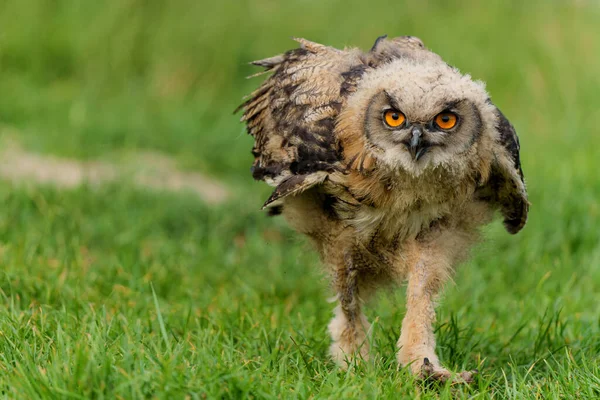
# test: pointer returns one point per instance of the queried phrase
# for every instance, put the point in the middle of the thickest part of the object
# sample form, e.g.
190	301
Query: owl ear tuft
377	41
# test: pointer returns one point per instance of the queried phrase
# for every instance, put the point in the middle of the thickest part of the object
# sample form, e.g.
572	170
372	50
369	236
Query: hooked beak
417	146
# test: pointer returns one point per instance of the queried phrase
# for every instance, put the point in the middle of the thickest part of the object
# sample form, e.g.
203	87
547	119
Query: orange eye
394	118
446	120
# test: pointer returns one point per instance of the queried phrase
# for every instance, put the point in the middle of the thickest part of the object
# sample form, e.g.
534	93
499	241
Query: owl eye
393	118
446	120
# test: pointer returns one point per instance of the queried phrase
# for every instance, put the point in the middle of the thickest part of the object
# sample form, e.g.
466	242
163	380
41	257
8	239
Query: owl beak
417	146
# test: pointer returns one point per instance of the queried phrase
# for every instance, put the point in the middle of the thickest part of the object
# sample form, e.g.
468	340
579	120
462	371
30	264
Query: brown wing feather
293	113
506	184
293	185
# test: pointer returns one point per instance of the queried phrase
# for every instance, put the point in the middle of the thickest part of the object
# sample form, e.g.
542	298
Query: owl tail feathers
294	185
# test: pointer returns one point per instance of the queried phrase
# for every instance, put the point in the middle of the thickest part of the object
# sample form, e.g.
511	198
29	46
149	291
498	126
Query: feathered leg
429	270
349	328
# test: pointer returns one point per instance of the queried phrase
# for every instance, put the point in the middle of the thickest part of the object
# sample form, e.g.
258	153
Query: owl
389	161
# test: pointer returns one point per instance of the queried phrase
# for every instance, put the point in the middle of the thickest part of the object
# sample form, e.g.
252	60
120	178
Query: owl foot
430	372
345	355
350	338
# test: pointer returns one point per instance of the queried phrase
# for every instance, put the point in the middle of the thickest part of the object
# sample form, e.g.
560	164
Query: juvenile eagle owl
389	161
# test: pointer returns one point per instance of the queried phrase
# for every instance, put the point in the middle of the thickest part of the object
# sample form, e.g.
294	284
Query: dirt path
151	170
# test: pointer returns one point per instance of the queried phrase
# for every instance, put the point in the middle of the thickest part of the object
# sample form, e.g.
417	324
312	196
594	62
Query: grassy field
118	291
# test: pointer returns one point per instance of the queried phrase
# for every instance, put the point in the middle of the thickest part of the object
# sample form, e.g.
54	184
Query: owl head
417	114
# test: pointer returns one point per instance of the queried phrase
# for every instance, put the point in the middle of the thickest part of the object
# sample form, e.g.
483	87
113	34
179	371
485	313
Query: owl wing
506	185
292	115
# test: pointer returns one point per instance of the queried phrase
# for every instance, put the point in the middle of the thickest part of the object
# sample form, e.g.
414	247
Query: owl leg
349	328
417	341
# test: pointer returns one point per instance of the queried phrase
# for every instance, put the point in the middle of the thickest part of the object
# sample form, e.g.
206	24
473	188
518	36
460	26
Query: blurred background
122	165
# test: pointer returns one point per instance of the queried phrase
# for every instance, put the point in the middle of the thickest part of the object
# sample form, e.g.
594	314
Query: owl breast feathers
309	123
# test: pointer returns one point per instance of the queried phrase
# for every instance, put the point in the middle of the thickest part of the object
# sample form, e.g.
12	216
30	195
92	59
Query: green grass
118	292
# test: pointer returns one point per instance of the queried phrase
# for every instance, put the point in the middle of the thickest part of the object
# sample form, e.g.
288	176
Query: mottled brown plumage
384	201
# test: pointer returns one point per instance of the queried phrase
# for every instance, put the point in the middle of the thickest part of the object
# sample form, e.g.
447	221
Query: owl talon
431	373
